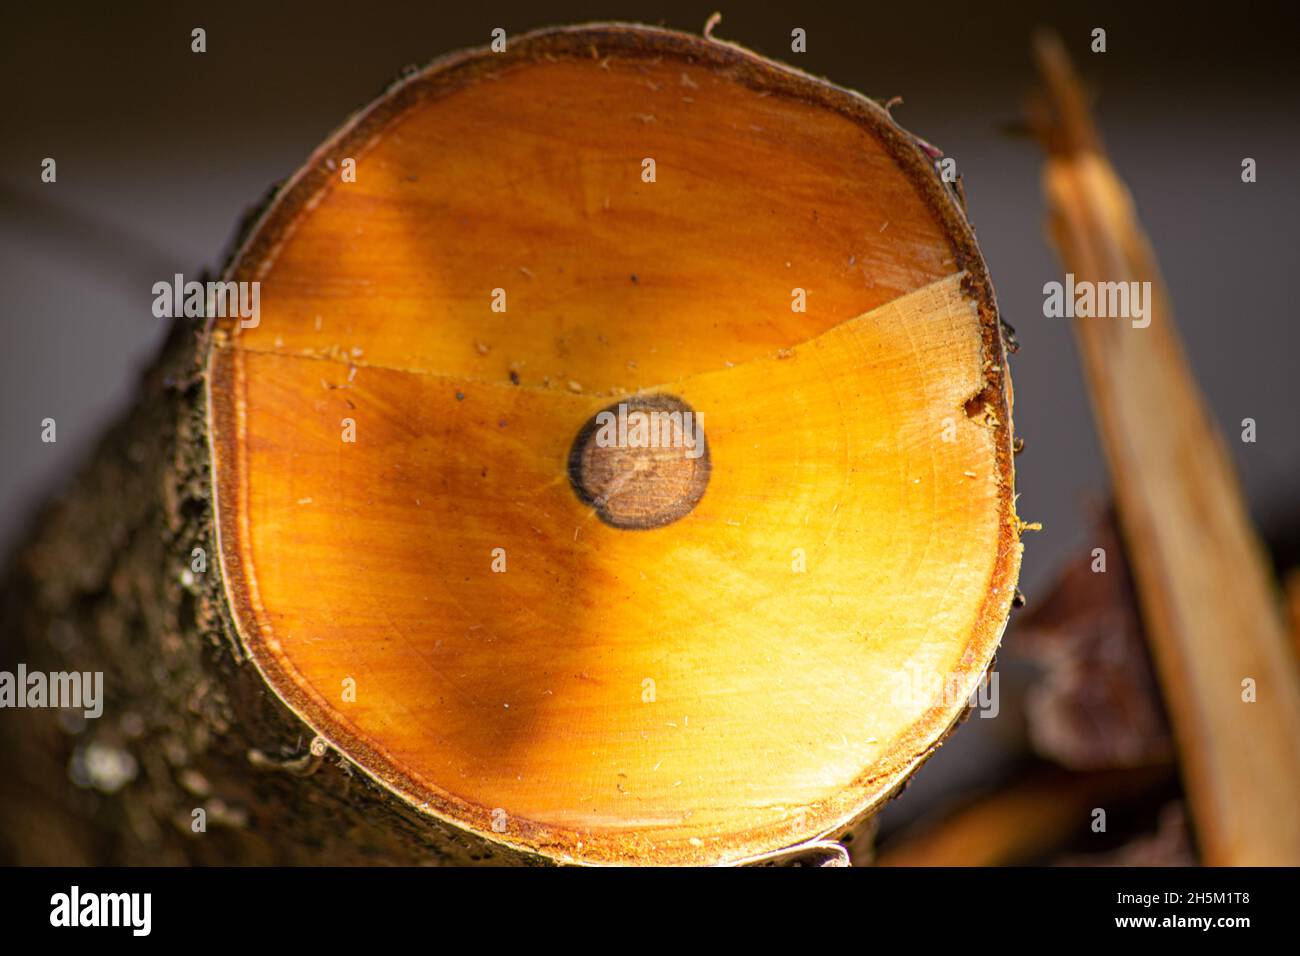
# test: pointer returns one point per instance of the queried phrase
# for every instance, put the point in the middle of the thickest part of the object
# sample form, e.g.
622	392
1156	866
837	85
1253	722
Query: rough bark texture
104	584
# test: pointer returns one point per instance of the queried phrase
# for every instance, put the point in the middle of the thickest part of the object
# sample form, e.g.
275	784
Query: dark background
160	150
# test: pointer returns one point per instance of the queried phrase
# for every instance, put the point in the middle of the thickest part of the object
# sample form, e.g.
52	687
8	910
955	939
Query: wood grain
681	694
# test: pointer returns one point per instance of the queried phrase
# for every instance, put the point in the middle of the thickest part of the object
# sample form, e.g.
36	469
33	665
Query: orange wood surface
679	694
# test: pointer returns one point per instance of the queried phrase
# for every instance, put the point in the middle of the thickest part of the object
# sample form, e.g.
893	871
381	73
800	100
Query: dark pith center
641	463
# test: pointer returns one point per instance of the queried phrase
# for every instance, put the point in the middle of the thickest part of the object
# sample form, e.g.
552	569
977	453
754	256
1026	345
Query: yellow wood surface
680	694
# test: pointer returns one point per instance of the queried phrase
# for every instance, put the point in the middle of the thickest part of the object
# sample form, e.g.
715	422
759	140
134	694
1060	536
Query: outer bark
104	584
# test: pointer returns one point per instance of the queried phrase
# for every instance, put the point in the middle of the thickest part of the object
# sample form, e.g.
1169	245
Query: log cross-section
617	655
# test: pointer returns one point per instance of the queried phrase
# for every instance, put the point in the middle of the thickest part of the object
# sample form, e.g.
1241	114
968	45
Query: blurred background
160	151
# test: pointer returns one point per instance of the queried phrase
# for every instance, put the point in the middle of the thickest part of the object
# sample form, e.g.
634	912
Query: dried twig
1209	603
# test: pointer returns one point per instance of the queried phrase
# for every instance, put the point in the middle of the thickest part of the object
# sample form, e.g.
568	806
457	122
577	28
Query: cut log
566	643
